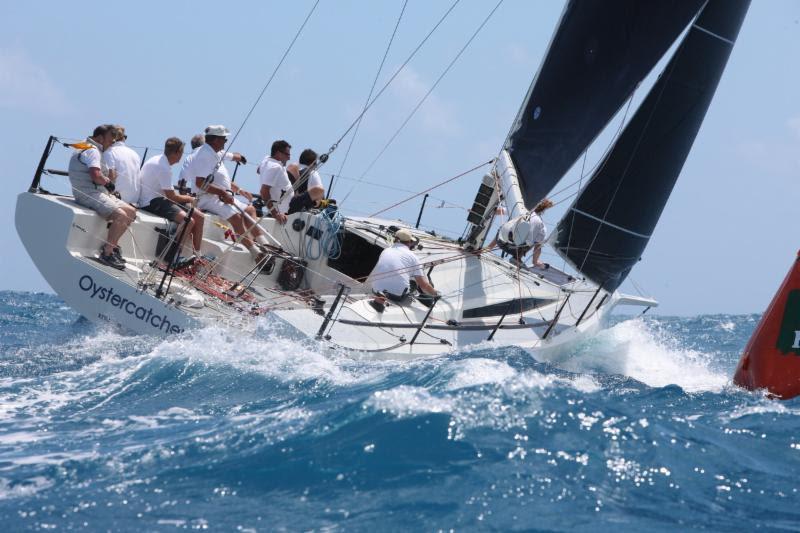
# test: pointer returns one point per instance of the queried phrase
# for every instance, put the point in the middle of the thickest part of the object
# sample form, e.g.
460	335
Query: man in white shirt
123	164
158	196
276	188
196	142
519	235
204	168
91	188
396	266
308	188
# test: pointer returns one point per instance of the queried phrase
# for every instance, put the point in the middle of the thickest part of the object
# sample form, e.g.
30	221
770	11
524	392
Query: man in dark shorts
158	196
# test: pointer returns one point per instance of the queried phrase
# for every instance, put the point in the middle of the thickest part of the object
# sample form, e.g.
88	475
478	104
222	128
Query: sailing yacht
316	276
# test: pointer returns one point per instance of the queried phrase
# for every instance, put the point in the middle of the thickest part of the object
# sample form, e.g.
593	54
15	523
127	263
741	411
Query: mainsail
608	226
601	50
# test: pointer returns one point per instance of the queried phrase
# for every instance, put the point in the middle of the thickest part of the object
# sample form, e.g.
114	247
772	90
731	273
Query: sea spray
636	429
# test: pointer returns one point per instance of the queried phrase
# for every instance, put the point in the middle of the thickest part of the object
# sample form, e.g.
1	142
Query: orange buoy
771	359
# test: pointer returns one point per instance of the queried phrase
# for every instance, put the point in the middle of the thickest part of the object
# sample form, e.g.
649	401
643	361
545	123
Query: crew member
396	266
309	192
205	168
519	235
90	187
276	188
158	196
123	164
196	142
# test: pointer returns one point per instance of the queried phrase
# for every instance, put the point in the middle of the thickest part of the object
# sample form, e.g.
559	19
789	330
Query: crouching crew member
158	196
396	267
90	187
308	188
519	235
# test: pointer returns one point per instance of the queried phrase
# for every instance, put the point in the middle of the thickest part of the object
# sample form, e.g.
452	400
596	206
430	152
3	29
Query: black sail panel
601	50
608	226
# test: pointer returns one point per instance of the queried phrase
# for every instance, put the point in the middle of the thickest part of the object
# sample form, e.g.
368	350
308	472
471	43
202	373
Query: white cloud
794	125
26	85
519	56
435	114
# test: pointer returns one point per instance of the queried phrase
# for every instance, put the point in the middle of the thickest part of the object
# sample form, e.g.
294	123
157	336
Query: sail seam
711	33
620	228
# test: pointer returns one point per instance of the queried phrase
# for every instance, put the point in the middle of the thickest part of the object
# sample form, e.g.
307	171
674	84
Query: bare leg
197	234
537	251
120	220
238	227
180	219
251	211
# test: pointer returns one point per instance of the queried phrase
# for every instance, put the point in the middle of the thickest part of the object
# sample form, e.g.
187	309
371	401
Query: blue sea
639	429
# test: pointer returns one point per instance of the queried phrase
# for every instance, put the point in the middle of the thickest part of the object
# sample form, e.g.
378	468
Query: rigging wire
476	167
427	94
335	145
630	159
272	76
371	91
600	162
572	221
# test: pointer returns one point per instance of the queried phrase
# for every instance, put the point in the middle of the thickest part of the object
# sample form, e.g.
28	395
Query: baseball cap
403	235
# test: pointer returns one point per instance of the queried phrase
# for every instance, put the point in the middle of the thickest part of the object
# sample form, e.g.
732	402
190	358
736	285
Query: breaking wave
638	427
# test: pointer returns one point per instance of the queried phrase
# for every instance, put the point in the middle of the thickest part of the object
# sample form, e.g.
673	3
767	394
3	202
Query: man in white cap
206	171
396	266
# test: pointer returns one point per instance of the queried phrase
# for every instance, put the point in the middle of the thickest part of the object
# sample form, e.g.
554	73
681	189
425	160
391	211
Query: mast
611	221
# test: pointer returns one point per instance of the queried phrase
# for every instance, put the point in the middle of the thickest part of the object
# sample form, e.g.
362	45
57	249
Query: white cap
217	129
403	235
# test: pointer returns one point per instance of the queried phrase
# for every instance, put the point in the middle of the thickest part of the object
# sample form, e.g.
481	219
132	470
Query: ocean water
639	429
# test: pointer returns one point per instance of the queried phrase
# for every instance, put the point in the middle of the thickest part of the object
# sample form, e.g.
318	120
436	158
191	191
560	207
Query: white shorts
209	203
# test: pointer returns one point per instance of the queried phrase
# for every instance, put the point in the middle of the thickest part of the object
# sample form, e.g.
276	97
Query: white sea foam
765	406
633	349
36	398
23	489
272	355
407	401
472	372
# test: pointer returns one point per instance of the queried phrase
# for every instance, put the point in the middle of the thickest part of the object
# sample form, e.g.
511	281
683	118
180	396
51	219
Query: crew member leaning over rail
92	188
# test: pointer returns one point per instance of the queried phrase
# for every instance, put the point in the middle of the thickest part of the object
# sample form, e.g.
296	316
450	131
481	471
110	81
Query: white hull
62	238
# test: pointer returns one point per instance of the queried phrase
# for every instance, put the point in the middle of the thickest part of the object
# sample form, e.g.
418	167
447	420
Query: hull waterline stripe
620	228
711	33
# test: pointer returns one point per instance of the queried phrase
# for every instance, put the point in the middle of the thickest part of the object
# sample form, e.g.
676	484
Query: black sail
601	50
608	226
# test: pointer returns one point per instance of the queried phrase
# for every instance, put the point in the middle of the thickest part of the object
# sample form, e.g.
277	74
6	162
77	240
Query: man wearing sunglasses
276	188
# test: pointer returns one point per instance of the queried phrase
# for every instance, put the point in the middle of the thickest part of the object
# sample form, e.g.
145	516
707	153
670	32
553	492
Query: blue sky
725	240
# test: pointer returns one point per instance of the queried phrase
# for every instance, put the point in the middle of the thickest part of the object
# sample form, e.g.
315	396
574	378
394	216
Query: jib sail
608	226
